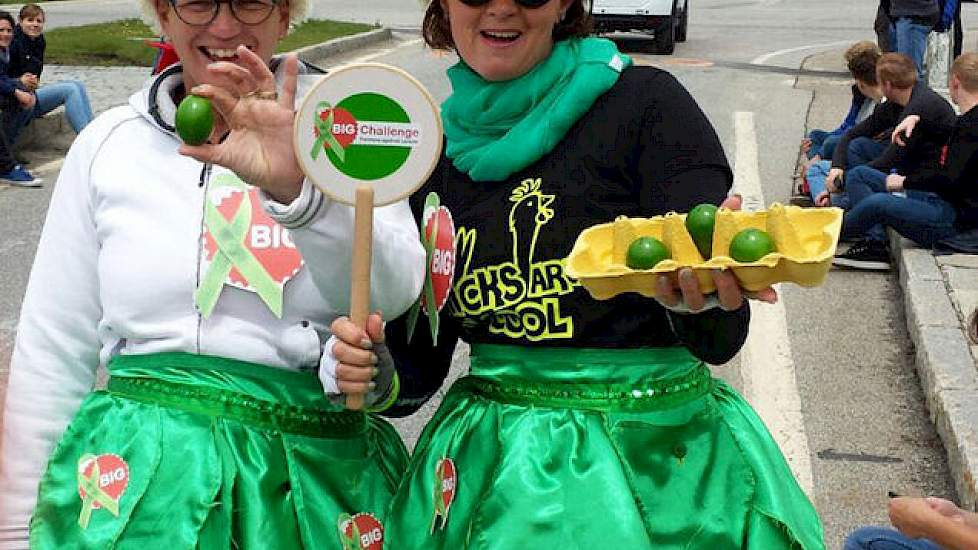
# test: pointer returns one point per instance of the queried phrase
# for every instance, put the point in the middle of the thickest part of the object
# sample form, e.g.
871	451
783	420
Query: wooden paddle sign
367	135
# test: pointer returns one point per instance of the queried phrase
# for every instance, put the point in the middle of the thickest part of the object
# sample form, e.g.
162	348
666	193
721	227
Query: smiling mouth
221	54
501	37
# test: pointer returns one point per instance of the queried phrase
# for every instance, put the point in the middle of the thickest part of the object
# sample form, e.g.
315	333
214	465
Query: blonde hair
965	67
298	10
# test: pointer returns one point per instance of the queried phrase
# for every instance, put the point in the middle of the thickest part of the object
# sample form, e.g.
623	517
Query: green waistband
254	394
660	394
587	378
581	365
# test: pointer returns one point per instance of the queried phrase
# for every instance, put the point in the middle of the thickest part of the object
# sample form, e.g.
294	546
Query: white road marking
766	361
762	59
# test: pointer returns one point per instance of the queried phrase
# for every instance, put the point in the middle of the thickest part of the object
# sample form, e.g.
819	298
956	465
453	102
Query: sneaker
20	177
865	254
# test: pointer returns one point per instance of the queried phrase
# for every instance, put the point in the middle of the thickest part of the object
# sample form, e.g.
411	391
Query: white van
666	18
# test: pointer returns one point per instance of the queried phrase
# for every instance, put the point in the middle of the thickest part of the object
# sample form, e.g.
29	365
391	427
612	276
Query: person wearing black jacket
14	101
905	96
26	65
572	404
932	202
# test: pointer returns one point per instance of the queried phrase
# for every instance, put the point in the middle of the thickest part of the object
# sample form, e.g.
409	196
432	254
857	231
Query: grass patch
120	43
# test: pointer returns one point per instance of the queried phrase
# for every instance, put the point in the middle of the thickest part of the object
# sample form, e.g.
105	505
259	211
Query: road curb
944	362
344	44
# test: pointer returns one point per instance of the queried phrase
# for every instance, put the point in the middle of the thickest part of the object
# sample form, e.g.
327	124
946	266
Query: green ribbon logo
232	253
93	493
444	469
325	131
351	541
432	202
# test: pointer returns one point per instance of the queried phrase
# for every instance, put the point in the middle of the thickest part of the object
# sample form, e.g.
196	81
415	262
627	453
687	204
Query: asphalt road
852	418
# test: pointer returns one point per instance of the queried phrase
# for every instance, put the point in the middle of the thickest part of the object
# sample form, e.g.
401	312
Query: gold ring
258	94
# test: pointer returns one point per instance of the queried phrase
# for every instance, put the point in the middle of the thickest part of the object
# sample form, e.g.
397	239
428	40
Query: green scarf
495	129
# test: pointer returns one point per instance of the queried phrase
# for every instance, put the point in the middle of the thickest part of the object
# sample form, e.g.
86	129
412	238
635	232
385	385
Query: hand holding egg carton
781	244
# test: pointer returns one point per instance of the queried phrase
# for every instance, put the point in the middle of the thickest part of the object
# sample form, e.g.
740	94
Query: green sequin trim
241	407
654	395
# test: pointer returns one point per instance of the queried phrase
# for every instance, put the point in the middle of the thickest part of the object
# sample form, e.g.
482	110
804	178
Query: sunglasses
530	4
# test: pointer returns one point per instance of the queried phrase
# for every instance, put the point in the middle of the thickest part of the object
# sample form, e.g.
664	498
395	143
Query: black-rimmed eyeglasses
203	12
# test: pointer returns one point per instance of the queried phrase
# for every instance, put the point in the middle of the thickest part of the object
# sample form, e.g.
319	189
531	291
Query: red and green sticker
101	481
438	237
244	246
446	485
360	532
367	136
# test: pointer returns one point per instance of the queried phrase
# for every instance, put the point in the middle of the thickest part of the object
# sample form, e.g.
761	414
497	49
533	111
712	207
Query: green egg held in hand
194	120
646	253
751	245
699	224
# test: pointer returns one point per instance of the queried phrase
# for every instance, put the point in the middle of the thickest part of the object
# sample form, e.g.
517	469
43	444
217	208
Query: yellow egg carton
805	240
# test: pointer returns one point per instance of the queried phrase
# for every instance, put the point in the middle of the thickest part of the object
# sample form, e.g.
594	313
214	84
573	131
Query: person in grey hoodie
912	21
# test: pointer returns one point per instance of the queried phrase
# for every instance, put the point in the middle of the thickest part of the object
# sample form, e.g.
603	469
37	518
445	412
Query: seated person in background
905	96
26	64
13	101
861	60
929	202
921	524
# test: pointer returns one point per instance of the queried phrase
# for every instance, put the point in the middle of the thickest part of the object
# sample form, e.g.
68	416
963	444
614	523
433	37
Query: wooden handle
360	274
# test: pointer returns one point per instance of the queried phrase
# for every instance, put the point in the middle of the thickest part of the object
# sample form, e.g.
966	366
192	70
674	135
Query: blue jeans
14	120
862	150
910	39
879	538
922	217
71	94
816	175
823	144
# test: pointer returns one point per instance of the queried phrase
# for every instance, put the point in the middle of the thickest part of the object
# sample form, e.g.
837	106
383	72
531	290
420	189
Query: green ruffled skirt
576	449
185	451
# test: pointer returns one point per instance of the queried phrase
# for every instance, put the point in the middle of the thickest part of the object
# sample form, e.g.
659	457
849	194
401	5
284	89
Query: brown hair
897	69
965	67
30	10
438	34
861	59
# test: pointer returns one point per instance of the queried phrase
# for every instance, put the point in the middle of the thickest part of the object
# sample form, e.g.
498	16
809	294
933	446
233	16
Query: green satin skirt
576	449
186	451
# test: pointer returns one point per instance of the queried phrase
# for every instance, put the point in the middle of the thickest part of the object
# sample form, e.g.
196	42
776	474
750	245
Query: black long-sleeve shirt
920	152
956	181
26	54
913	8
644	148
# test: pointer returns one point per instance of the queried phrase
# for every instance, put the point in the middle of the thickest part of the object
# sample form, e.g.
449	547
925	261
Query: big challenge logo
366	136
367	127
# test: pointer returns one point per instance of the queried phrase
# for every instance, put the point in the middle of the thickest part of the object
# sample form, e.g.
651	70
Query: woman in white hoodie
207	296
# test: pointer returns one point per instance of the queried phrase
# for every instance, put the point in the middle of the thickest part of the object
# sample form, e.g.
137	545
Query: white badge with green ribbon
367	135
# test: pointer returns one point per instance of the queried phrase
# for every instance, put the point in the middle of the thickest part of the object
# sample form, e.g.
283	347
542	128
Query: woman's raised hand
258	147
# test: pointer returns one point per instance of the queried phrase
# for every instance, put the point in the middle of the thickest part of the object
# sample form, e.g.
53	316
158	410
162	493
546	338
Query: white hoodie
120	257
